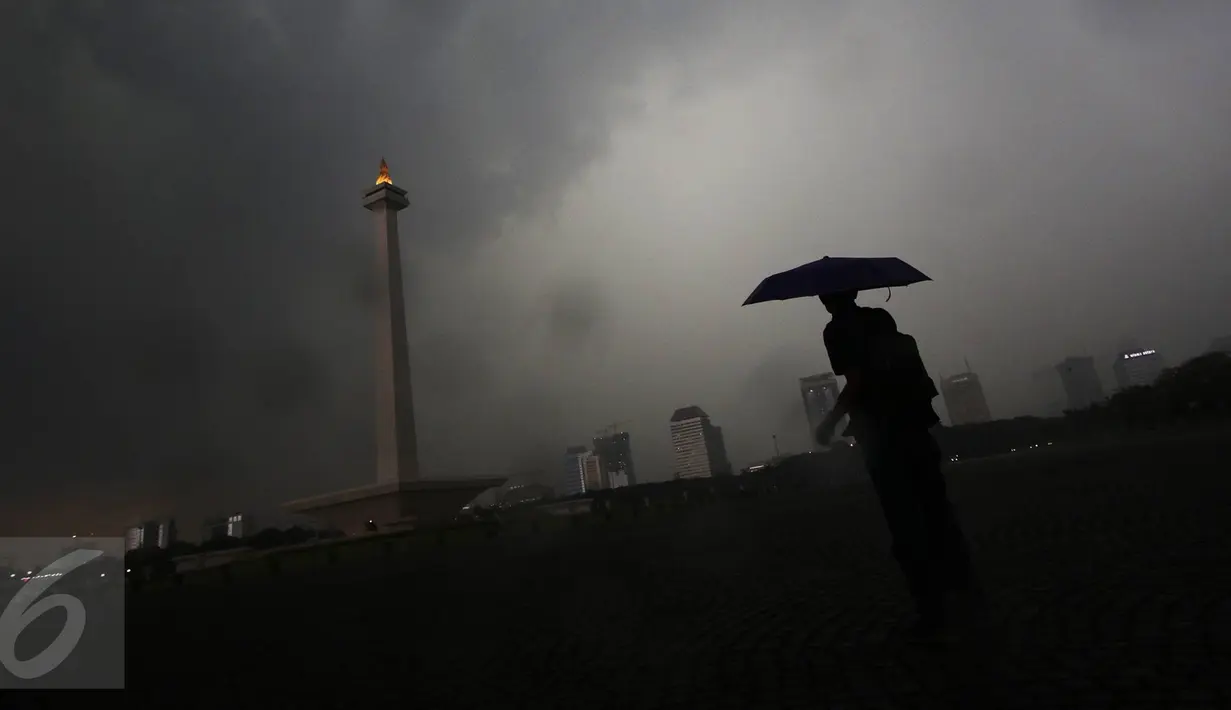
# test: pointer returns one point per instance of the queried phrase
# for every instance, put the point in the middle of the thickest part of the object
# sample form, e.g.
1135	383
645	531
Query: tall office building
153	533
134	538
592	469
964	399
699	448
574	482
820	394
234	525
1047	393
616	453
1082	386
1137	368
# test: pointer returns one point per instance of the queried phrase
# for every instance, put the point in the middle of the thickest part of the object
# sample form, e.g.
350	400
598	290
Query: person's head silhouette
837	303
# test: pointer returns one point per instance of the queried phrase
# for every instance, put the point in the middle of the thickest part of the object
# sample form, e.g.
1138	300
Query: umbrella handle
890	289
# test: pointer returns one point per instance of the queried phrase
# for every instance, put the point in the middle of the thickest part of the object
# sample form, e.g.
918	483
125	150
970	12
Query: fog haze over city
595	188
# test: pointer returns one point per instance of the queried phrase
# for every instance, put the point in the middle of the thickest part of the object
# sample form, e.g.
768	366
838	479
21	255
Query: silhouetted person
888	396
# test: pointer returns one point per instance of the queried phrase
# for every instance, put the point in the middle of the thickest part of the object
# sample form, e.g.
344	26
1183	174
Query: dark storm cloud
187	268
1140	16
770	394
288	377
171	180
576	310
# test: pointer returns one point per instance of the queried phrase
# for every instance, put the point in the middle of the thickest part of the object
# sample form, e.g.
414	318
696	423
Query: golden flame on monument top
383	178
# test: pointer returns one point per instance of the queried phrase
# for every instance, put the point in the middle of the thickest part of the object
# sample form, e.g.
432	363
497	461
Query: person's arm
841	345
846	399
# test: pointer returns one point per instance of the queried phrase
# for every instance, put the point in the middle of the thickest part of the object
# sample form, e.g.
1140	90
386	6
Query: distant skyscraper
574	482
592	467
154	533
1137	368
700	451
616	453
134	537
1082	386
1047	392
1221	345
166	533
233	525
820	393
964	399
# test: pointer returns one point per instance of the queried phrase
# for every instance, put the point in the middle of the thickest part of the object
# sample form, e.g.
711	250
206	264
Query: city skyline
609	461
592	469
189	332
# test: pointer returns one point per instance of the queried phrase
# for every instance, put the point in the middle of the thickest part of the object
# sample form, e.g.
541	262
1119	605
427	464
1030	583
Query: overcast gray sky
595	188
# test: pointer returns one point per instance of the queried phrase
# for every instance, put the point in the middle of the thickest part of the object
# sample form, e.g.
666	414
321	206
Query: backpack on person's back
901	390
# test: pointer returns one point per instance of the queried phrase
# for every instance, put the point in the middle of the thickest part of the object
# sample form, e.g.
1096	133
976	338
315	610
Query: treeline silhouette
1196	393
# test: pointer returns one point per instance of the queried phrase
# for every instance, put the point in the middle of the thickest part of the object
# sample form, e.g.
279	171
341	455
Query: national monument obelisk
399	497
397	451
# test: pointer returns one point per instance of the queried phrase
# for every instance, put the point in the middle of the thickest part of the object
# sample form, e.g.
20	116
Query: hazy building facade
616	454
592	469
1048	398
574	481
699	450
153	533
233	525
820	395
1082	386
1137	368
964	398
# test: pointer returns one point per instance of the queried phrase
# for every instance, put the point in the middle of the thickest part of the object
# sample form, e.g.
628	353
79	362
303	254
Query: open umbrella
832	275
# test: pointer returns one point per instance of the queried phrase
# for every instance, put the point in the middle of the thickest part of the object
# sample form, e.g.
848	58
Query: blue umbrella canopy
832	275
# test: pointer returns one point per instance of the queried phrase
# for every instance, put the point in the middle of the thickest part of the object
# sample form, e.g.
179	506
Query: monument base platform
392	505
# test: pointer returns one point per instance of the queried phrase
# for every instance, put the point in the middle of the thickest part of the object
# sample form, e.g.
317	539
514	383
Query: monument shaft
397	454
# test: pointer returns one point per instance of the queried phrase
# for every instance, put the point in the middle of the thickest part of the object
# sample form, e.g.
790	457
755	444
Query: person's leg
948	551
891	480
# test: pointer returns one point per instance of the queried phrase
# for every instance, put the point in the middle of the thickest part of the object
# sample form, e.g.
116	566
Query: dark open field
1107	570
